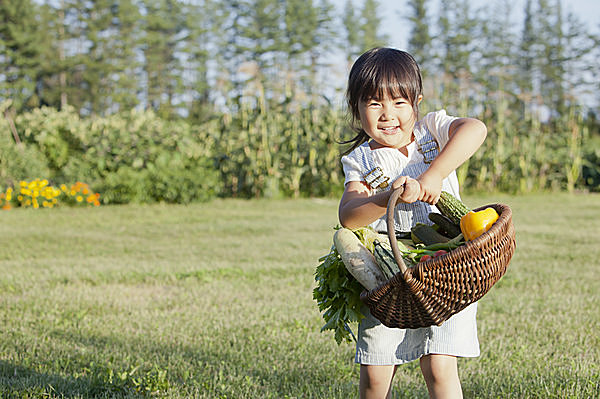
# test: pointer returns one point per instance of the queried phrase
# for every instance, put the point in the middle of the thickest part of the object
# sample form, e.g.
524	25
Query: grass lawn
215	301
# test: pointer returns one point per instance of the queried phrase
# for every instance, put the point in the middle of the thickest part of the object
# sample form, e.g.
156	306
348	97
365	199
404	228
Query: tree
203	21
307	32
350	21
498	49
526	58
55	73
371	24
551	57
301	23
125	48
162	26
457	33
20	49
109	65
362	28
257	47
420	42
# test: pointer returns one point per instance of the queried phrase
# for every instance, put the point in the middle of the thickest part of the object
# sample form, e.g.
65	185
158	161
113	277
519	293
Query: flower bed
39	193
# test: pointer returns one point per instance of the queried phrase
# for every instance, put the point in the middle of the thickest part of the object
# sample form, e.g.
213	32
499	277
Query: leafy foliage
129	157
338	296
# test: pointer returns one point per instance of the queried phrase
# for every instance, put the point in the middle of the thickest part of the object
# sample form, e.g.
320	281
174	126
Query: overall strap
426	144
373	176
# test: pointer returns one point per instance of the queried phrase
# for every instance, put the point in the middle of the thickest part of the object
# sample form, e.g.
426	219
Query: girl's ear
419	99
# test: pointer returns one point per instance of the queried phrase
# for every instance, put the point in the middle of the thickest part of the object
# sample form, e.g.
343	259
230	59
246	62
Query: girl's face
388	121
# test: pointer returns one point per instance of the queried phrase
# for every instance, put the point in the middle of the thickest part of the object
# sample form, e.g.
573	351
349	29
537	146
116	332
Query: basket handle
390	227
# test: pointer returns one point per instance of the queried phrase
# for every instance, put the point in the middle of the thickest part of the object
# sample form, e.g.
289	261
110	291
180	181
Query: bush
129	157
18	161
591	169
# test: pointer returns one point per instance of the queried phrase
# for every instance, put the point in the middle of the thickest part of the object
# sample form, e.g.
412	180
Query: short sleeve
438	123
351	168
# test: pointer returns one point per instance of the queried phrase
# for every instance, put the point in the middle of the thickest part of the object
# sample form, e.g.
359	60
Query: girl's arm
358	208
465	136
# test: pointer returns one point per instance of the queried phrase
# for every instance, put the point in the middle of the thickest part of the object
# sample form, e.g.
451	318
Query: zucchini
427	235
445	225
451	207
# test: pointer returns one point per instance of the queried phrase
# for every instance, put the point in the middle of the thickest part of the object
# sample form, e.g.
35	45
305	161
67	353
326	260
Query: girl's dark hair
378	72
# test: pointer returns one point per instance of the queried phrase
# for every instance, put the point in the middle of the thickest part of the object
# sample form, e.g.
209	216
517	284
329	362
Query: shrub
130	157
18	161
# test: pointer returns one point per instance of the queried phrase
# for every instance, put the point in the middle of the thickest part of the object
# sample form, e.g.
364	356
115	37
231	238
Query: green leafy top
338	293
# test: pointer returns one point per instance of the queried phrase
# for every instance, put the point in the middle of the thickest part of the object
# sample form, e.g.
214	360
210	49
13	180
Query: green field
215	301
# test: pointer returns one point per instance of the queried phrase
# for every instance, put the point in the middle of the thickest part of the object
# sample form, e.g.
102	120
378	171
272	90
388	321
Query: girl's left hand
431	188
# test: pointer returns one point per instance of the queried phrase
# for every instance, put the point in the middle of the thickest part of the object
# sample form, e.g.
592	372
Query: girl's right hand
412	189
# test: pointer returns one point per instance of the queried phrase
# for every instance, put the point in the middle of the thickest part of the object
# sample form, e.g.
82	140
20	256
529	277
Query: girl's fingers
428	197
412	191
399	182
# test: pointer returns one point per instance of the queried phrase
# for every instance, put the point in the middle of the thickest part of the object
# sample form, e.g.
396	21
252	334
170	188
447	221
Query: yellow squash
474	224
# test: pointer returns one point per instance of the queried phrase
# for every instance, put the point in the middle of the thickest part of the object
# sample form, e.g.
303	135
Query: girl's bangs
387	81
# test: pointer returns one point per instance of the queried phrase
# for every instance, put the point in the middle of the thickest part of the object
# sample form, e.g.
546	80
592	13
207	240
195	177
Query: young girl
394	149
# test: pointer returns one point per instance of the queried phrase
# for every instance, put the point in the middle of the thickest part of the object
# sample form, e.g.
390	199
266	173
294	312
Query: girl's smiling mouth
390	130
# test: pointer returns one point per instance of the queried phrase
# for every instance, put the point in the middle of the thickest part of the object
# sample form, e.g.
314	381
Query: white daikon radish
359	261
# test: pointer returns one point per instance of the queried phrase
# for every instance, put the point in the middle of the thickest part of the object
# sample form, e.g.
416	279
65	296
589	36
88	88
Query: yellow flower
79	198
64	187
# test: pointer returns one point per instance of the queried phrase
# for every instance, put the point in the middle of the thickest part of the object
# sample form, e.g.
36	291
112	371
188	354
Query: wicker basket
432	291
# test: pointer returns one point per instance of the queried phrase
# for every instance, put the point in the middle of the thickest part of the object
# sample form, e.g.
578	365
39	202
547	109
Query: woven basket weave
430	292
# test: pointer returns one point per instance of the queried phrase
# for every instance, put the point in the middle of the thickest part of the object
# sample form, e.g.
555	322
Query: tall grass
298	154
276	152
215	300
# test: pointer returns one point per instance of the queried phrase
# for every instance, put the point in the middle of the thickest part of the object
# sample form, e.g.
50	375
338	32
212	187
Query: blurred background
183	100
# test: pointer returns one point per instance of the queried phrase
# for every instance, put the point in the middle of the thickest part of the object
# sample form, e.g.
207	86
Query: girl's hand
431	187
412	189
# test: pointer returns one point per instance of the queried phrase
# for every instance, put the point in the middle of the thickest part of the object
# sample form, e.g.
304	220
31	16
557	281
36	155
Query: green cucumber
427	235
